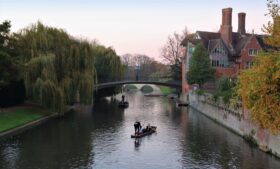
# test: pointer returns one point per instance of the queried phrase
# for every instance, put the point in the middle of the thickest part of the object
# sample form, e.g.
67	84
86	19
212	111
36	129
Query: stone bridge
112	84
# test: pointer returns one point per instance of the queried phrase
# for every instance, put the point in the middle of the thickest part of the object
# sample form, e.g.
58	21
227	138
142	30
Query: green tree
107	63
59	69
9	67
224	84
200	69
4	34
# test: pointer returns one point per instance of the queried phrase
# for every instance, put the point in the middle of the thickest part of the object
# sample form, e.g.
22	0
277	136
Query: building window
191	50
220	63
253	52
214	64
220	50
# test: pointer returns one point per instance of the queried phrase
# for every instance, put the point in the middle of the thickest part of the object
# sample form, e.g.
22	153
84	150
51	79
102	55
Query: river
99	137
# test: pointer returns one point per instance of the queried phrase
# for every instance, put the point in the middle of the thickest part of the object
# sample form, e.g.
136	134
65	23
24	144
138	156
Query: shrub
226	96
200	92
224	84
215	97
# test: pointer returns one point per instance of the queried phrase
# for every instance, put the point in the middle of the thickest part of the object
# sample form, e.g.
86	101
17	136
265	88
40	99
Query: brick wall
252	44
229	72
236	120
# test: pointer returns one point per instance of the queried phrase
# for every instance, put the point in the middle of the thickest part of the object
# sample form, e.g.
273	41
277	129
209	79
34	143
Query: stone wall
235	120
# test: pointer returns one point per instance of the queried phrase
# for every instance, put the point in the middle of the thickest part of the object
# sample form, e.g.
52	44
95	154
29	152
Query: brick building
229	51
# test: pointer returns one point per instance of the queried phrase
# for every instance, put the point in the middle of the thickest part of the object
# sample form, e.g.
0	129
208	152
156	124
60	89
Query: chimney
241	23
226	27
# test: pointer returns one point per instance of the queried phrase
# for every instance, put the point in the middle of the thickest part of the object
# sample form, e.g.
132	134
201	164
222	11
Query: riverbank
16	116
17	119
237	121
165	90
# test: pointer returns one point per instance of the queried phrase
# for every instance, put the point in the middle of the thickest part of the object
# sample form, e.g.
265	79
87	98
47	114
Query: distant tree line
144	68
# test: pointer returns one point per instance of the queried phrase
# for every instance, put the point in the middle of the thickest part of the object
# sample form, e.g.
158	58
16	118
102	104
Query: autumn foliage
259	88
273	27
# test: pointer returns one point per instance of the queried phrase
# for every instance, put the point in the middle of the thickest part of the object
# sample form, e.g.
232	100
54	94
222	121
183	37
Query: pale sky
131	26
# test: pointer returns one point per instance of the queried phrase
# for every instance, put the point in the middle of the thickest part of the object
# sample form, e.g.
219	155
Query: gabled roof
214	42
240	44
210	39
189	37
206	36
265	47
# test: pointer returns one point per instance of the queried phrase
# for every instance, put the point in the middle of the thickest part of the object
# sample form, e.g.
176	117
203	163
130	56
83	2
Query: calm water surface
99	137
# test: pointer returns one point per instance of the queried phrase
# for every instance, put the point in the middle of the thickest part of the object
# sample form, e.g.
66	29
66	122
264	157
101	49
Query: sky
131	26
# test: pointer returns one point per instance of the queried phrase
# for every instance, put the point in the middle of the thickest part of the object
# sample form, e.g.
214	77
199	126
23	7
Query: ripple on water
99	137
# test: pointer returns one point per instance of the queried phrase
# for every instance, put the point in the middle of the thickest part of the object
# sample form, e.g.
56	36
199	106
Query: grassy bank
17	116
167	90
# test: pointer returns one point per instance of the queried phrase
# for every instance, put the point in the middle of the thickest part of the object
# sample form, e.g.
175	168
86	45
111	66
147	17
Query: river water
99	137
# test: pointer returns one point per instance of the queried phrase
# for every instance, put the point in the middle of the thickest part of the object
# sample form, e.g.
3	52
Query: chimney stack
226	27
241	23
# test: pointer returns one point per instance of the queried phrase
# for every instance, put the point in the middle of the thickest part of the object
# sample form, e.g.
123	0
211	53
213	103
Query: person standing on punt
137	127
123	97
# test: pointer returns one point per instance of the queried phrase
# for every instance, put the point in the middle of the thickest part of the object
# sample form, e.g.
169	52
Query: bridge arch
177	85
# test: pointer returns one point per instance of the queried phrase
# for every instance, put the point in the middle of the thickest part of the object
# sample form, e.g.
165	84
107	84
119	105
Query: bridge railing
161	82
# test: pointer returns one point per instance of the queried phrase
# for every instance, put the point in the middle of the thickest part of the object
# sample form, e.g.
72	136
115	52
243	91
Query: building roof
265	46
188	38
210	40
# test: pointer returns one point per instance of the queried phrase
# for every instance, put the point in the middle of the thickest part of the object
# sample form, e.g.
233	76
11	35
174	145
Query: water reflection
137	143
49	145
99	137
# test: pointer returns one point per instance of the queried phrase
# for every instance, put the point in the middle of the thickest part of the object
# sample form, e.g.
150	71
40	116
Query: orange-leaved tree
273	27
259	87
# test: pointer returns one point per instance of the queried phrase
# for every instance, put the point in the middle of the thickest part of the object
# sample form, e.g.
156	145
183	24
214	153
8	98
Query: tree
273	27
200	69
259	87
11	83
9	68
145	65
4	34
224	84
171	54
59	69
107	63
176	70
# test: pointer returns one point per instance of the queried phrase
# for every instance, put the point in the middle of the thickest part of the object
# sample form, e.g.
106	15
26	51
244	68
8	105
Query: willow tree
108	64
59	70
